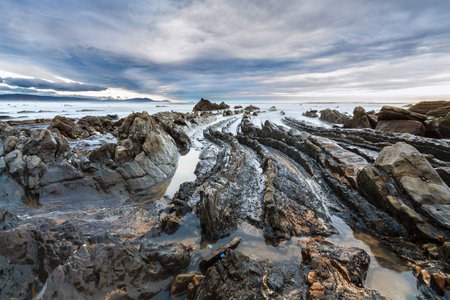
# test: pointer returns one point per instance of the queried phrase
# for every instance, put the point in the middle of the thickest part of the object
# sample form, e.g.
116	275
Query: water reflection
184	171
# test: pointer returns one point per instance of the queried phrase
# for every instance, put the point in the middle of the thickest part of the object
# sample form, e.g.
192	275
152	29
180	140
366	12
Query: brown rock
397	113
444	127
206	105
310	114
439	112
181	282
426	106
359	120
333	116
437	282
402	126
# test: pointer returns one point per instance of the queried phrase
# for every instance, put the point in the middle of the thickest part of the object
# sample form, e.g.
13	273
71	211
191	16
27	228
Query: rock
251	108
426	106
359	120
218	254
16	166
402	126
46	145
272	108
333	116
119	270
338	271
206	105
7	220
28	255
60	173
238	276
432	128
397	113
444	173
181	282
373	119
170	224
68	128
417	177
311	113
444	127
238	107
439	112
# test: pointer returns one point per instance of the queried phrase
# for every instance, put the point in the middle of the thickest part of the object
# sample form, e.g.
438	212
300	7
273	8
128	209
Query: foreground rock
419	180
206	105
118	271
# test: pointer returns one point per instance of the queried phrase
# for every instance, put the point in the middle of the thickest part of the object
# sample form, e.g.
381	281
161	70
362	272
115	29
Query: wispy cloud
41	84
229	49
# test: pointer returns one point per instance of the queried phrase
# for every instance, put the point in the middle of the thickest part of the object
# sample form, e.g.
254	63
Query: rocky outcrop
402	126
118	271
419	180
359	120
333	116
425	107
206	105
311	113
334	271
398	113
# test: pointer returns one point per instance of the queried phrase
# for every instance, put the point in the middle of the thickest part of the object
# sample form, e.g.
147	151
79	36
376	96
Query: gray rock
416	176
9	143
81	192
43	144
16	165
11	193
60	173
119	270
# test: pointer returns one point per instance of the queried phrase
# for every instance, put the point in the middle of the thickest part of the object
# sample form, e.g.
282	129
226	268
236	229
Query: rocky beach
275	207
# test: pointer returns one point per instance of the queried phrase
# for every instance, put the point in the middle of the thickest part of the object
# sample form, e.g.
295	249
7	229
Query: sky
259	50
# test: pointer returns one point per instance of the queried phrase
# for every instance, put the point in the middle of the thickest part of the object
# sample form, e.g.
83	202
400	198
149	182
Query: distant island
27	97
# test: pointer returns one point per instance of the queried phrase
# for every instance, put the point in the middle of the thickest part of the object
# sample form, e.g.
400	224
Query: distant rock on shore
206	105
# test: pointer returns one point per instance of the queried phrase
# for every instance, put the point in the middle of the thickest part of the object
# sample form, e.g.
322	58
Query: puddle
388	273
184	172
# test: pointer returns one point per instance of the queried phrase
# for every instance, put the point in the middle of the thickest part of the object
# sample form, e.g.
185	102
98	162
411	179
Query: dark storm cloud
47	85
182	49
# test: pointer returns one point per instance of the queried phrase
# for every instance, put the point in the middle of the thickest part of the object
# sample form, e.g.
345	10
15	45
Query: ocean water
25	110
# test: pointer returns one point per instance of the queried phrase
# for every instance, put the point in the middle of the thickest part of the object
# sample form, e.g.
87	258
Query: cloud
41	84
226	49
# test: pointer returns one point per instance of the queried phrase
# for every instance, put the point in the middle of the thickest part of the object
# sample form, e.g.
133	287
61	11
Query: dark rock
206	105
444	127
238	107
119	270
217	255
335	270
272	108
333	116
238	276
432	127
444	173
26	255
251	108
69	231
68	128
311	114
170	224
359	120
181	282
402	126
426	106
7	220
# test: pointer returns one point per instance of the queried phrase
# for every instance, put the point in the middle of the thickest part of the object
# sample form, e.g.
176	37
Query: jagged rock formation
206	105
